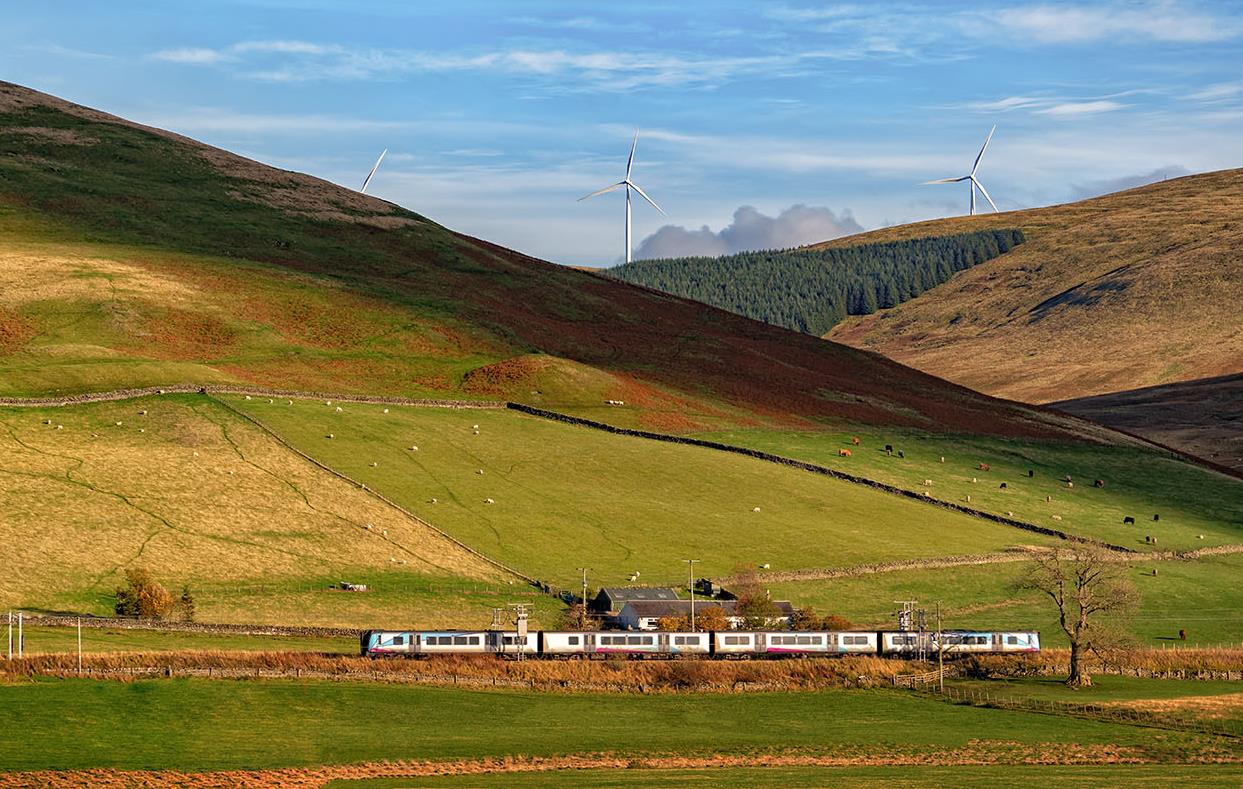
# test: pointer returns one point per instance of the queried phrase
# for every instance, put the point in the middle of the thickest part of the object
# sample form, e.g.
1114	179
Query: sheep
47	421
414	448
367	527
289	402
476	432
1128	520
159	391
631	578
338	409
433	501
765	566
474	427
386	410
1070	484
384	532
270	401
1056	517
478	471
327	402
247	397
373	465
901	454
1009	513
927	482
968	498
1199	536
142	412
140	430
845	453
974	480
60	427
330	435
488	501
943	458
196	454
118	424
1048	499
755	509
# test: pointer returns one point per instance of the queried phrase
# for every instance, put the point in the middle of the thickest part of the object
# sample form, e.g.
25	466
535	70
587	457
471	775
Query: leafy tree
576	617
185	605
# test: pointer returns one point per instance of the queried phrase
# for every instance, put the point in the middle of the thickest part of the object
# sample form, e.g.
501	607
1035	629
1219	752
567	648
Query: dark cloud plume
750	230
1097	188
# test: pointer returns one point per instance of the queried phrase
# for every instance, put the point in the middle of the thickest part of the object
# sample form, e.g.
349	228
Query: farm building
646	614
611	599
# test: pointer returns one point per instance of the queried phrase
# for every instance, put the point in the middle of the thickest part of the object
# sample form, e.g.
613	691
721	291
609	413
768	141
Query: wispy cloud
1219	92
191	55
1160	20
1079	108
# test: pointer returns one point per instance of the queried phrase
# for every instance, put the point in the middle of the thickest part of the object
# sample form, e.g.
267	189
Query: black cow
1128	519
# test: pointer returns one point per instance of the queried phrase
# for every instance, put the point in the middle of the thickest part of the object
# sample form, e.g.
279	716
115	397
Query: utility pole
940	651
690	569
21	638
583	618
79	646
10	635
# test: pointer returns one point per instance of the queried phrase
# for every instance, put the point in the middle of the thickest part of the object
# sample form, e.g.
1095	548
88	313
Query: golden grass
1155	271
191	492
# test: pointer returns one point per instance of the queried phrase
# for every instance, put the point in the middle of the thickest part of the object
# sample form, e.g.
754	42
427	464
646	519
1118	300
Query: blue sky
499	115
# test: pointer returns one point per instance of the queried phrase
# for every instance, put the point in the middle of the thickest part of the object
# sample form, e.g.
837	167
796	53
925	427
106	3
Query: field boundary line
214	389
378	496
815	469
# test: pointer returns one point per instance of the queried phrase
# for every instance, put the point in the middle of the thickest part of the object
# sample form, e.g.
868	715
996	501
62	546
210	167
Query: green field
206	724
1202	597
1140	483
51	640
568	497
818	777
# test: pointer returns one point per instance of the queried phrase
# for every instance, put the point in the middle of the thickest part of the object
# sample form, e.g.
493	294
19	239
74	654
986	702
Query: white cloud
1160	20
750	230
1219	92
1079	108
191	55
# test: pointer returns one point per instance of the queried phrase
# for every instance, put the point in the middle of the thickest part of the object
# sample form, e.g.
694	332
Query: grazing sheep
1009	514
1056	517
845	453
632	578
142	412
373	465
338	409
196	454
330	435
414	448
1048	499
60	427
1070	484
765	566
488	501
973	479
47	421
367	527
1128	520
927	482
247	397
968	497
755	509
140	430
289	402
943	458
159	391
118	424
478	471
384	532
476	432
327	402
270	401
386	410
474	427
433	501
1199	536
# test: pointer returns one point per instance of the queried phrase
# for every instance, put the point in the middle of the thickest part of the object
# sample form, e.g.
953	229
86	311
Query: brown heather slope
230	270
1130	290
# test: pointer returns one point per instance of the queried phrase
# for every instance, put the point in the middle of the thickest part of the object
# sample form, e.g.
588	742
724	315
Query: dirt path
978	752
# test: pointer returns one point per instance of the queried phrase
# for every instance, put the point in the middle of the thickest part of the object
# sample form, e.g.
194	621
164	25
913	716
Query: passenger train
724	644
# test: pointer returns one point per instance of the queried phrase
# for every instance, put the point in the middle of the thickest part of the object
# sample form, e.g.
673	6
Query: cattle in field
1003	486
854	440
983	467
845	453
1128	520
1100	483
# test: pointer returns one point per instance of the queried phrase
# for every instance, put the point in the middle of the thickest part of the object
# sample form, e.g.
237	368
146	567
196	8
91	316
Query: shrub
142	596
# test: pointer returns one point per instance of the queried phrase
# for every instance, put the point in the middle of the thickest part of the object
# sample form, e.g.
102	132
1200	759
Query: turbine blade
630	162
986	197
984	148
946	180
371	174
617	185
645	197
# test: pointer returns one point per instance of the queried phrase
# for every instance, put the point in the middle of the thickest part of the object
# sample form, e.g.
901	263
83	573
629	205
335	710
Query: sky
762	124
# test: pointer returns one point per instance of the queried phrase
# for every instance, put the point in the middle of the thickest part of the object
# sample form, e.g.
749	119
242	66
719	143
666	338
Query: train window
804	640
1012	639
736	640
572	641
635	640
399	641
459	640
474	641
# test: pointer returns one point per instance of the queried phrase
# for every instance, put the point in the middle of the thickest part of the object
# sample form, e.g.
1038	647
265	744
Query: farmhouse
646	614
611	599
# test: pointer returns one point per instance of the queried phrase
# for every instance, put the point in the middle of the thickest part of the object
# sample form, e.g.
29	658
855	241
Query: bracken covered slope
134	256
1121	292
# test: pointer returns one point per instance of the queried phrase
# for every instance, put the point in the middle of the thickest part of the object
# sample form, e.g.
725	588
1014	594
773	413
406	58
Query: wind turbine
971	176
371	174
626	182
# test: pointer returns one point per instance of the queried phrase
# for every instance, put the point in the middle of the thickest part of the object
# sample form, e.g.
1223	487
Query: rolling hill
1122	292
132	256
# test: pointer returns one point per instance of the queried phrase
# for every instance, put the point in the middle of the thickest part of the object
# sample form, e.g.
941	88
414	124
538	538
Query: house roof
625	594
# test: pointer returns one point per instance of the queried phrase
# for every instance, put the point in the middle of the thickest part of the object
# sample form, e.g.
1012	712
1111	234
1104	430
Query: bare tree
1087	585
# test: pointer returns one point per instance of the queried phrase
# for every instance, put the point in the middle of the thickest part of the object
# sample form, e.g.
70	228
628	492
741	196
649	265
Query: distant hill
810	290
1130	290
132	256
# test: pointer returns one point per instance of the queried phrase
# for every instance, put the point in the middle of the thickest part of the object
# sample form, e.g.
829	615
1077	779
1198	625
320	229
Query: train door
662	643
761	643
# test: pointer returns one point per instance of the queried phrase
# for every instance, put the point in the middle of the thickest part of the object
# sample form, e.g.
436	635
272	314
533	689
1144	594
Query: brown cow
983	467
854	440
844	453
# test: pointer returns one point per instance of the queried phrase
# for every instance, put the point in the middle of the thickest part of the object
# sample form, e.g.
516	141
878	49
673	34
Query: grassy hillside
1120	292
201	497
568	497
130	255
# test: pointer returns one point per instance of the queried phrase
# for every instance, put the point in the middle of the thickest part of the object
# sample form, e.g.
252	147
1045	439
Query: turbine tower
371	174
971	176
626	182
